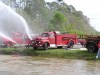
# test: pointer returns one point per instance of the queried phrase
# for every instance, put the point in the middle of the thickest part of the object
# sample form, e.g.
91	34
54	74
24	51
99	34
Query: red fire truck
54	39
92	42
15	38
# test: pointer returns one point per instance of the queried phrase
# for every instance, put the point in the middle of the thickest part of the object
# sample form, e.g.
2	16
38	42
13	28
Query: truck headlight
39	42
33	42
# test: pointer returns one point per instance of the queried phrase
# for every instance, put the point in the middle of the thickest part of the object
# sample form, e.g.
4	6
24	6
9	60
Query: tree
40	15
58	21
60	0
72	9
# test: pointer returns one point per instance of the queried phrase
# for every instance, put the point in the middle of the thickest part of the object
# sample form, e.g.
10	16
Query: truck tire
92	48
9	44
35	47
59	47
45	46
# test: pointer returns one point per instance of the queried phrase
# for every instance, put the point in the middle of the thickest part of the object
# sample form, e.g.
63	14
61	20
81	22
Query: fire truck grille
36	42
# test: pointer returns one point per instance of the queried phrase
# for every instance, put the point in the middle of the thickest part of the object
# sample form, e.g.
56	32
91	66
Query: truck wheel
9	44
59	47
92	48
35	47
45	46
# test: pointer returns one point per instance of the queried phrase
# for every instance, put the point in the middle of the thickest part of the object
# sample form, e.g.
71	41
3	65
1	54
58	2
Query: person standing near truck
82	42
70	44
98	53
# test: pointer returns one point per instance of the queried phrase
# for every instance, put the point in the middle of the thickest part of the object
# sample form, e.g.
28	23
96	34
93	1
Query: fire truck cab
53	39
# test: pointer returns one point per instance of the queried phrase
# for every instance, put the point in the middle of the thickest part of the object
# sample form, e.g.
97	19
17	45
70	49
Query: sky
90	8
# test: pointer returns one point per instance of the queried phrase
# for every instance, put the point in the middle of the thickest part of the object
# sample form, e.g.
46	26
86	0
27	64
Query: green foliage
76	22
57	21
42	16
60	18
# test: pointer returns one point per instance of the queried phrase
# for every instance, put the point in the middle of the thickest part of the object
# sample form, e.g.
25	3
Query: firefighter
82	43
69	45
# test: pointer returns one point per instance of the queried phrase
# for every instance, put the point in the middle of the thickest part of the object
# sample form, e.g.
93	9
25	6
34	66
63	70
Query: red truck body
20	38
15	38
54	39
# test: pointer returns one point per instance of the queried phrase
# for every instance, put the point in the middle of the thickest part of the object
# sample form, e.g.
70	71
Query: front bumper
37	43
2	45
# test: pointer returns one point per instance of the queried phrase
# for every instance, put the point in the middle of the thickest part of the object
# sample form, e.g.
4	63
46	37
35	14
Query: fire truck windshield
45	35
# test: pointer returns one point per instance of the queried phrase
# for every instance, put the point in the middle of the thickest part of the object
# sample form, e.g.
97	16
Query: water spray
26	27
1	34
8	12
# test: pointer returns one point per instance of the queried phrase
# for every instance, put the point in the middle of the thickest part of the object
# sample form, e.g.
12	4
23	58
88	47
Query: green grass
54	53
69	54
8	51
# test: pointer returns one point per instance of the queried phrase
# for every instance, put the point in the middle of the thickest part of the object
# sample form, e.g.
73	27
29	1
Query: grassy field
54	53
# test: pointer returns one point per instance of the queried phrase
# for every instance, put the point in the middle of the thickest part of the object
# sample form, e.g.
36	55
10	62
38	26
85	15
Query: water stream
10	21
